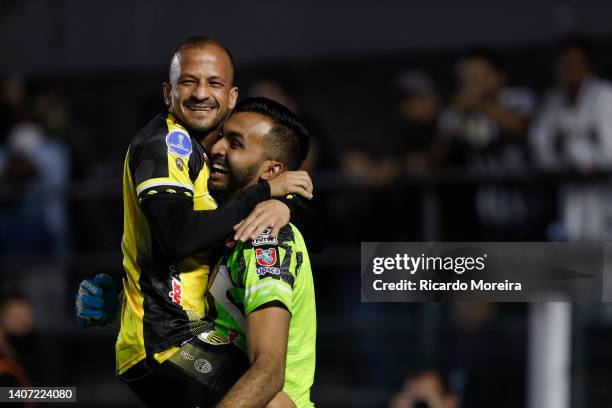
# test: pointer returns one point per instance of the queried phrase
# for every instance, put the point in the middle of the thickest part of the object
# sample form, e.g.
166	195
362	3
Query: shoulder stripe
267	283
161	182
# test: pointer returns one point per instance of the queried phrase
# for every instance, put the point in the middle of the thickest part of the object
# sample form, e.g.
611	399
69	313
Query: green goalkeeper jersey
262	271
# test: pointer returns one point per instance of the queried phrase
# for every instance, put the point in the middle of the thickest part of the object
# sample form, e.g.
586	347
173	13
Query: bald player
171	222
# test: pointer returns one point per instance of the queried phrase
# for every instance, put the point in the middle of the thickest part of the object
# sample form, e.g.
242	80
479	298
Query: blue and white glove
96	301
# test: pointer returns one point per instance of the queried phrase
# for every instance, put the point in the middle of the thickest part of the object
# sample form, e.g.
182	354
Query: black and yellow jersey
164	284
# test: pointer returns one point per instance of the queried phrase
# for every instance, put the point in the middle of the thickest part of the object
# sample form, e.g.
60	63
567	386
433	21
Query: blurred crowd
35	168
500	160
485	129
489	129
482	364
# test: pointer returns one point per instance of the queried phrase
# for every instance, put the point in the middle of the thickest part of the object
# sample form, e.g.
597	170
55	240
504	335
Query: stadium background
89	74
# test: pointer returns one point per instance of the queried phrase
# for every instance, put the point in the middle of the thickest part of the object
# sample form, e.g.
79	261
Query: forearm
509	121
281	400
182	231
256	388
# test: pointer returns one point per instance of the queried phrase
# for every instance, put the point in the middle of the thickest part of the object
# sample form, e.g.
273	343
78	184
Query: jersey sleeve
161	165
269	273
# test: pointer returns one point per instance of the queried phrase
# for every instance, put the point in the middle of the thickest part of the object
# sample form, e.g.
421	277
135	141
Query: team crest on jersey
214	338
179	143
265	257
265	239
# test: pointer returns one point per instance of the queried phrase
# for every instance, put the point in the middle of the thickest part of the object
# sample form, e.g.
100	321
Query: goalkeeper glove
96	301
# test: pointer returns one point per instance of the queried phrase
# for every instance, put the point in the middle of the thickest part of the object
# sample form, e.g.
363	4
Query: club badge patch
214	338
265	257
265	239
179	143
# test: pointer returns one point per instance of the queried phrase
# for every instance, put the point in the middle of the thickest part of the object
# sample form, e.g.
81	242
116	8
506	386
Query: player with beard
170	224
262	293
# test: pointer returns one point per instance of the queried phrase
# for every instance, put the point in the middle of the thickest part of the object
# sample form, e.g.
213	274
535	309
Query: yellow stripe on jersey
134	340
163	182
166	354
130	347
179	172
202	200
172	124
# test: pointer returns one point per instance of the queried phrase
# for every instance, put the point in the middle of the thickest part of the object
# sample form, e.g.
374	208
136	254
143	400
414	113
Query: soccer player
263	292
167	235
261	296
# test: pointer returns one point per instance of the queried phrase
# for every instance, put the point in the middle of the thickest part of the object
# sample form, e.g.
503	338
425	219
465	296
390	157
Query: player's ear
233	97
167	88
271	169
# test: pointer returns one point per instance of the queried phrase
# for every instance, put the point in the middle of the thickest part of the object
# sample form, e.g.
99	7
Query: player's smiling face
238	157
200	92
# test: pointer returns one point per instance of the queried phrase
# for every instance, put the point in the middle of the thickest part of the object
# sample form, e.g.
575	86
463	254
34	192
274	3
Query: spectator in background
482	364
573	133
34	169
372	172
484	130
51	109
477	343
318	159
412	152
13	104
16	322
425	390
419	108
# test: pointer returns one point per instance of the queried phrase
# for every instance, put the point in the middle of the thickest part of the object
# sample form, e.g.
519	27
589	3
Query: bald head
200	91
200	41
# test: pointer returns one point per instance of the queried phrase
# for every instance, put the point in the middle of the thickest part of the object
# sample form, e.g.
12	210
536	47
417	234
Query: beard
203	128
238	180
198	126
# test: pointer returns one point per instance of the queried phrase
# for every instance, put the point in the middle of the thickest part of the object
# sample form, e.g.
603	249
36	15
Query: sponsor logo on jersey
268	271
265	239
265	257
202	365
187	356
179	143
214	338
176	294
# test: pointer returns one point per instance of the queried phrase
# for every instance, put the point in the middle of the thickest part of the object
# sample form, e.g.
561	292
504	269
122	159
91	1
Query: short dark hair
200	41
576	41
288	140
483	53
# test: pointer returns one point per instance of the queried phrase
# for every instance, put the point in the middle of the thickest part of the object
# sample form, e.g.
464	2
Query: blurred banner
484	271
